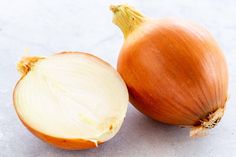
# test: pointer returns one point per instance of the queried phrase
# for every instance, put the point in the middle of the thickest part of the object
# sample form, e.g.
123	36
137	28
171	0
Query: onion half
71	100
174	70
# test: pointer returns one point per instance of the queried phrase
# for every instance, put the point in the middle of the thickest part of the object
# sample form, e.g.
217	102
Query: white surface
48	26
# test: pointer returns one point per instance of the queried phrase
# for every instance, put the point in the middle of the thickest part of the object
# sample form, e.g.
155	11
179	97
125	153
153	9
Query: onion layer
174	70
70	100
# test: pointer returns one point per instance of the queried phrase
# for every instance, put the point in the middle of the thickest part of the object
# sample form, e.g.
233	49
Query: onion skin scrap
174	70
25	66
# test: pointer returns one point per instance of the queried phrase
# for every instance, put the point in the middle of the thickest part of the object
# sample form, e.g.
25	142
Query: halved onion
71	100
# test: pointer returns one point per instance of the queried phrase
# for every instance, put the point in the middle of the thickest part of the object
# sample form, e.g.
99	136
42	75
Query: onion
71	100
174	70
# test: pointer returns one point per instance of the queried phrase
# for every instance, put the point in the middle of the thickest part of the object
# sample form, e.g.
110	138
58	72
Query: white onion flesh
72	96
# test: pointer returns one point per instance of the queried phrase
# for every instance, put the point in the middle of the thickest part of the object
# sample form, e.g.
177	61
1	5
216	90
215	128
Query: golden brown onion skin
174	70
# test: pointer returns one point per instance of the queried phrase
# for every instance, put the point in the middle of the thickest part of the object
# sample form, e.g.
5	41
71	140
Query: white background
48	26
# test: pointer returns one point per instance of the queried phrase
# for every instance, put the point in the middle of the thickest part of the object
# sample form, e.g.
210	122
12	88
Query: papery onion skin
174	70
63	143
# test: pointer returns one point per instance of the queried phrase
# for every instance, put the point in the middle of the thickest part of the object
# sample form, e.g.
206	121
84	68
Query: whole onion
174	69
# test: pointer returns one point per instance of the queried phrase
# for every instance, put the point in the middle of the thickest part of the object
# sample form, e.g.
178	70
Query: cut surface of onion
71	96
